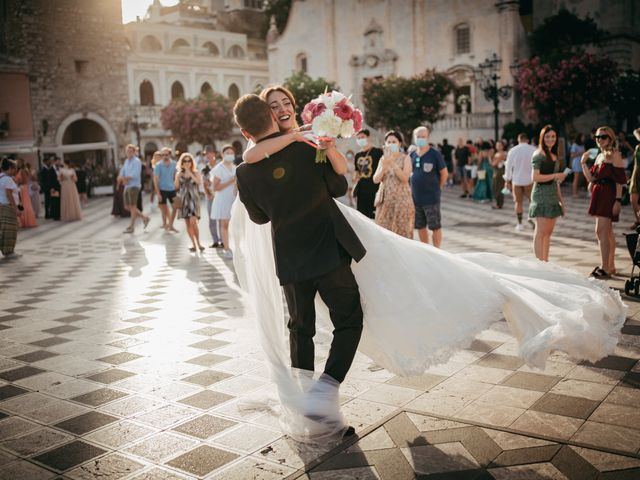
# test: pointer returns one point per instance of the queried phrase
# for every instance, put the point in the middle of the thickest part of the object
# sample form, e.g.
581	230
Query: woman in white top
224	184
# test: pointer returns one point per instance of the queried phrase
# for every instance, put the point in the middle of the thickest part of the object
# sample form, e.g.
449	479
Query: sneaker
519	227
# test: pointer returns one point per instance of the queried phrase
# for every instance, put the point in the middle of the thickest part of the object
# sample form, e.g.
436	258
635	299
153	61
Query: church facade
349	41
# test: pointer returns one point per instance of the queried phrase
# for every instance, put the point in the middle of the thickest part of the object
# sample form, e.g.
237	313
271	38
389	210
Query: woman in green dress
634	183
546	199
482	191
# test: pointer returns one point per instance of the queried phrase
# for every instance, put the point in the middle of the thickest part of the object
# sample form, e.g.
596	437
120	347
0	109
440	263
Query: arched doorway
206	89
146	93
149	149
177	91
234	92
180	148
83	137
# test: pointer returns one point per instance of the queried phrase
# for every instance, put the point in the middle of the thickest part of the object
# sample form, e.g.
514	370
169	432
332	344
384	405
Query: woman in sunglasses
188	183
606	178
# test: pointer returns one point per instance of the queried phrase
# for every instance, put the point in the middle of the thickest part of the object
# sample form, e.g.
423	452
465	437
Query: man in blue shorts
429	176
164	174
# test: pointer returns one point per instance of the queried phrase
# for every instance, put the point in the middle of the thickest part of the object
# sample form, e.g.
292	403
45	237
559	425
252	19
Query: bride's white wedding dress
420	304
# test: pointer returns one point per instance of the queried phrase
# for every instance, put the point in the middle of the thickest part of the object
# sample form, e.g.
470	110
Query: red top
603	196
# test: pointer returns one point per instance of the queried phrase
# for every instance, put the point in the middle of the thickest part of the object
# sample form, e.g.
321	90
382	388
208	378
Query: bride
420	303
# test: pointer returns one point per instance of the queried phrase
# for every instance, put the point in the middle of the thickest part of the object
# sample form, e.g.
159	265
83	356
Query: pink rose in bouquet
331	115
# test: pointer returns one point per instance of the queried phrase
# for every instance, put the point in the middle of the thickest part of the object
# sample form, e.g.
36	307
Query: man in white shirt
10	208
518	173
131	177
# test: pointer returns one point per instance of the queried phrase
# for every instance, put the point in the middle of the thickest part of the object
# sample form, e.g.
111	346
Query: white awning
26	146
76	147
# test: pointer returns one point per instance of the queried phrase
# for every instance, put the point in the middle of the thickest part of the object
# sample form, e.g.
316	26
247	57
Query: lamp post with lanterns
488	80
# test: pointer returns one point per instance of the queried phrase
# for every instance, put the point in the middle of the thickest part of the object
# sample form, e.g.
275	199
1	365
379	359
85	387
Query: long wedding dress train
420	304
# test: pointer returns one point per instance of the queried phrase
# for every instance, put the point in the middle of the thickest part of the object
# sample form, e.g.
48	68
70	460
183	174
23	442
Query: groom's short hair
252	114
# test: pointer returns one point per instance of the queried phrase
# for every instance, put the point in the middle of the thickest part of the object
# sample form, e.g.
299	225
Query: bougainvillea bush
559	92
203	119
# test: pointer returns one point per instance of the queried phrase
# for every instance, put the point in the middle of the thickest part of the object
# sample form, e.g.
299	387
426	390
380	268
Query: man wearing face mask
366	163
429	176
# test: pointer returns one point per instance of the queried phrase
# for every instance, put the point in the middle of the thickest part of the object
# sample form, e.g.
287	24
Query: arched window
234	92
206	89
146	93
179	45
463	39
236	52
211	48
150	44
177	90
301	63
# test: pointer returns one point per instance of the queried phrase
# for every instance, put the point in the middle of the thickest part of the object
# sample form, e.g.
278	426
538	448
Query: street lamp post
488	78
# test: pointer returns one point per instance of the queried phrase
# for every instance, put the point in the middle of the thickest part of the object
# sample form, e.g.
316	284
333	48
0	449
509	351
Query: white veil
420	304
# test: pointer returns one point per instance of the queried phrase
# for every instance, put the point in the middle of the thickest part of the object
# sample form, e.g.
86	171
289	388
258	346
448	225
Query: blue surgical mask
228	157
421	142
362	142
393	147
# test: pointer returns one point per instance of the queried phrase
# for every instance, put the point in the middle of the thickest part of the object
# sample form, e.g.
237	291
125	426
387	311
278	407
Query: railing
469	121
149	114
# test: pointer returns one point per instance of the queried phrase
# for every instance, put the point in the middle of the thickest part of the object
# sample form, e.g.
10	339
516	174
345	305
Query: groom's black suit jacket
295	194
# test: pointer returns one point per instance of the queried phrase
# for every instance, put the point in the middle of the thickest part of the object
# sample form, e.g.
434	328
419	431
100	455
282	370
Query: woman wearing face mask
606	178
224	184
546	199
394	204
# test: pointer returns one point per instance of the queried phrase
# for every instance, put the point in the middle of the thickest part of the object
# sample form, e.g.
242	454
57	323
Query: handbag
177	201
482	174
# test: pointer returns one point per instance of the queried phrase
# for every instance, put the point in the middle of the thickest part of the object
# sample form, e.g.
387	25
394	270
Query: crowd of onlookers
64	187
177	185
400	185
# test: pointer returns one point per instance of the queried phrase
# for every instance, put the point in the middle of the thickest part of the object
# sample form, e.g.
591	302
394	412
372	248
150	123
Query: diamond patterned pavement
126	358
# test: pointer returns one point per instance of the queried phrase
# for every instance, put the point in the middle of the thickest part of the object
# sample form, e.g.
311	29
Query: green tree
304	88
513	129
279	9
203	119
563	34
625	99
404	103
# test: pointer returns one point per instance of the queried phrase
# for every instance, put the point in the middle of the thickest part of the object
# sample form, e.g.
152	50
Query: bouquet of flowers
331	115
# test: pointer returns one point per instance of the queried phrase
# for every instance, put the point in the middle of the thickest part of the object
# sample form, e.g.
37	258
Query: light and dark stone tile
202	460
99	397
69	455
531	381
86	422
206	399
564	405
204	426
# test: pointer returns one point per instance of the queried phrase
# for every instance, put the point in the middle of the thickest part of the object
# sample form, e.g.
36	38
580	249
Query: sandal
600	274
192	249
201	248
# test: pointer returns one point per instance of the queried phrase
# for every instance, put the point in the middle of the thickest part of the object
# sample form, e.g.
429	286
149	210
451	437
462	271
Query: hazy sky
133	8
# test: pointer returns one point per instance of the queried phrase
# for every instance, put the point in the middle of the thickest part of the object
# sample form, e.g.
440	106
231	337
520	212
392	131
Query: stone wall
76	60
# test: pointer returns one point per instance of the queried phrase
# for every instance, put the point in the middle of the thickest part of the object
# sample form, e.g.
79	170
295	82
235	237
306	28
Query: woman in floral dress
394	205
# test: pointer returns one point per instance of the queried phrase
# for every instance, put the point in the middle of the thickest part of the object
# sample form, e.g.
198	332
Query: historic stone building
349	41
188	49
64	79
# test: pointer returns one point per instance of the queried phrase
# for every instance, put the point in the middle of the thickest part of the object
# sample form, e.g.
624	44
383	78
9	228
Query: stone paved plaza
125	357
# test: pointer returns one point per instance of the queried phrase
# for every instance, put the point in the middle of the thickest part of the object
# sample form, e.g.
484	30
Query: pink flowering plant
331	115
560	91
203	119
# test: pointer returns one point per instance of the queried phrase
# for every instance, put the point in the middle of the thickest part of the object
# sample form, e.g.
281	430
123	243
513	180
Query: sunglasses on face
601	137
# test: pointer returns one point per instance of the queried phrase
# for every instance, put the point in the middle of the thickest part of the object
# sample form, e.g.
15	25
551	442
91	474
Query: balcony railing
471	121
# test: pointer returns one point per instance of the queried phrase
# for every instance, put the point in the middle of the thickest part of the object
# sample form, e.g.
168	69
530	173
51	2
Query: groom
312	241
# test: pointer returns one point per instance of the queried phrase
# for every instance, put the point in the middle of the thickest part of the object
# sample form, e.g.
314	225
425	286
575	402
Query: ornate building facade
362	39
189	49
349	41
63	77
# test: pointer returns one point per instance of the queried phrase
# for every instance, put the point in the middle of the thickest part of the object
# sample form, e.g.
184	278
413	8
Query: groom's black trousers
339	291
